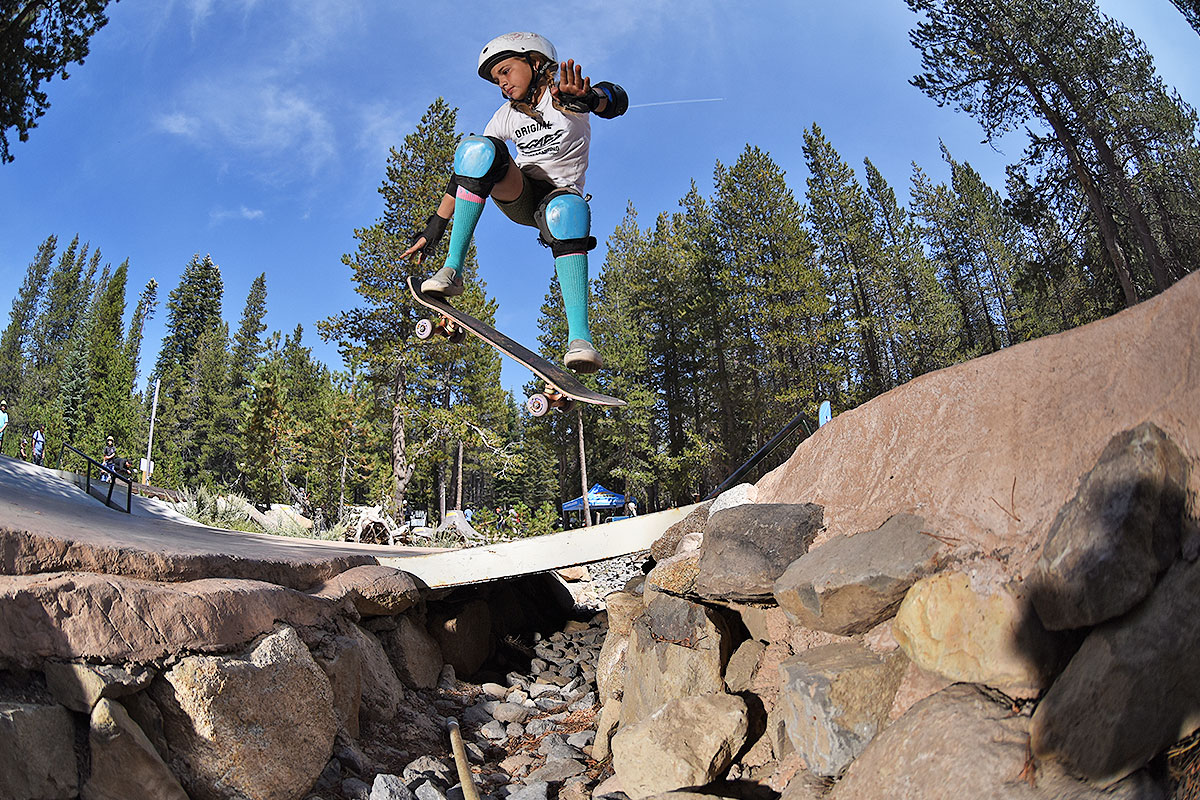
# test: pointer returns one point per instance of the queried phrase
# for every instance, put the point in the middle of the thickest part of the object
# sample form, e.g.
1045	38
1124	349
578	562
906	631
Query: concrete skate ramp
48	524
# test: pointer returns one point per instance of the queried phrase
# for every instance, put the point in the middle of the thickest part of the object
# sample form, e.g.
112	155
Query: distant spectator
110	453
39	444
24	451
3	419
632	507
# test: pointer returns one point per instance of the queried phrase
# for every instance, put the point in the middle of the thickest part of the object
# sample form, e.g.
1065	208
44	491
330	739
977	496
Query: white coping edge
538	553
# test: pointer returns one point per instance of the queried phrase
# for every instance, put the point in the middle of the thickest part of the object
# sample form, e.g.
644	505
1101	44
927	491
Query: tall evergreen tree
247	343
420	388
21	318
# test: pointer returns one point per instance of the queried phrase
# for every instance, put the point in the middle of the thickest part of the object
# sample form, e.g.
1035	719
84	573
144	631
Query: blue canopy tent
599	499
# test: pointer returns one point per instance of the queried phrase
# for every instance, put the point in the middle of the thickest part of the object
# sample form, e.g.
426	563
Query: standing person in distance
547	117
39	444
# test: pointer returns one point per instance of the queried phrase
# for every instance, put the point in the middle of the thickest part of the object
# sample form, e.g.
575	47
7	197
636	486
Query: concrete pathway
47	523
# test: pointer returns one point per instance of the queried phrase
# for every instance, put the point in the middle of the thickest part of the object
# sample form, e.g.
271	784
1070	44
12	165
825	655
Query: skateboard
563	388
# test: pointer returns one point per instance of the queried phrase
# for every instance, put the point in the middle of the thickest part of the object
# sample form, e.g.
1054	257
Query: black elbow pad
618	101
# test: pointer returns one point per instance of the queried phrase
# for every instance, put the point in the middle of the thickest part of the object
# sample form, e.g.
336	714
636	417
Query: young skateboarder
547	117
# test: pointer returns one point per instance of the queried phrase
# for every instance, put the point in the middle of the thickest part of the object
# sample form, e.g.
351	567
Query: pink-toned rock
988	451
114	619
373	589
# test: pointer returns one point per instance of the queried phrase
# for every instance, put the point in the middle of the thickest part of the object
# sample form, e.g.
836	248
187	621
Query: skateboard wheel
457	336
538	405
424	329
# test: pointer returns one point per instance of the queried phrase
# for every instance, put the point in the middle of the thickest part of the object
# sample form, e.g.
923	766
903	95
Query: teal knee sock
467	208
572	272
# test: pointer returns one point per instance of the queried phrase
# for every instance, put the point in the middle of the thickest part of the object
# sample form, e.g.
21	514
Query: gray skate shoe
443	283
582	357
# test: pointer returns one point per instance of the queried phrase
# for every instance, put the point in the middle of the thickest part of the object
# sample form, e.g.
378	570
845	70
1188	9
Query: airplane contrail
678	102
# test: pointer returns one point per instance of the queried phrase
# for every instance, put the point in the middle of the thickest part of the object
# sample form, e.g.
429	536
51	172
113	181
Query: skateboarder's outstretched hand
571	81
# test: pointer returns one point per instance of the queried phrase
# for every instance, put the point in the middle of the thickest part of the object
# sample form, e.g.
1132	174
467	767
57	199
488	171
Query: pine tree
193	318
110	412
1191	12
21	318
247	343
419	387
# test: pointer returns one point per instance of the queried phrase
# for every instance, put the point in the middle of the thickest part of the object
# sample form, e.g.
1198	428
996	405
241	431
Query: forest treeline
753	300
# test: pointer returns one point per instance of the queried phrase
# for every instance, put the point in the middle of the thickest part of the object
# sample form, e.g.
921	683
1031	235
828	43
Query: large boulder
1120	531
373	589
382	691
747	547
414	654
967	628
988	451
651	757
1131	690
834	700
464	635
37	752
960	744
850	584
107	618
260	725
124	762
677	649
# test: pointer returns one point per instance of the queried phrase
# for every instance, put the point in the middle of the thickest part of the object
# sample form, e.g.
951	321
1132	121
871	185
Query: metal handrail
797	421
101	469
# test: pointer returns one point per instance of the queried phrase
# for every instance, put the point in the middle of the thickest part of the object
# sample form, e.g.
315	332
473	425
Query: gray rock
37	752
1110	542
668	543
835	699
514	730
738	495
124	762
79	685
536	727
494	690
959	744
558	770
582	739
743	665
1131	689
428	768
650	757
585	703
850	584
355	789
414	654
494	731
677	649
746	548
380	689
389	787
476	716
429	791
538	689
534	790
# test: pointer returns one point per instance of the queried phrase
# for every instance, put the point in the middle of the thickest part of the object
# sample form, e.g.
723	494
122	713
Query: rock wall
981	584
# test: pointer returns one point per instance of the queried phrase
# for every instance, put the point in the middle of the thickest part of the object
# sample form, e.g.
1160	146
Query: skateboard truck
539	405
426	329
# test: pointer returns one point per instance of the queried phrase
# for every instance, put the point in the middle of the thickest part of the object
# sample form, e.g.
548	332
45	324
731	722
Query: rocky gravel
528	737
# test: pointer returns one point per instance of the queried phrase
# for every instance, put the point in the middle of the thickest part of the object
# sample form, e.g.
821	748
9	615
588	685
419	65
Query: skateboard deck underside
558	377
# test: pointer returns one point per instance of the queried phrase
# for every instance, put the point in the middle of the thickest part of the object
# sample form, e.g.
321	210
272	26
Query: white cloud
259	124
218	215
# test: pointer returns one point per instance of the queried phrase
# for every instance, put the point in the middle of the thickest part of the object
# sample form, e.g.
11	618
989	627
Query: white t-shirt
556	151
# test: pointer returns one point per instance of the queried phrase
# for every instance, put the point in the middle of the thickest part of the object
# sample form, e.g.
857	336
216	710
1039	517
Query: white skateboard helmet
513	44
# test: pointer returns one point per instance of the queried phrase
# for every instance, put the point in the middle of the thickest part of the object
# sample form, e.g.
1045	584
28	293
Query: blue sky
258	131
